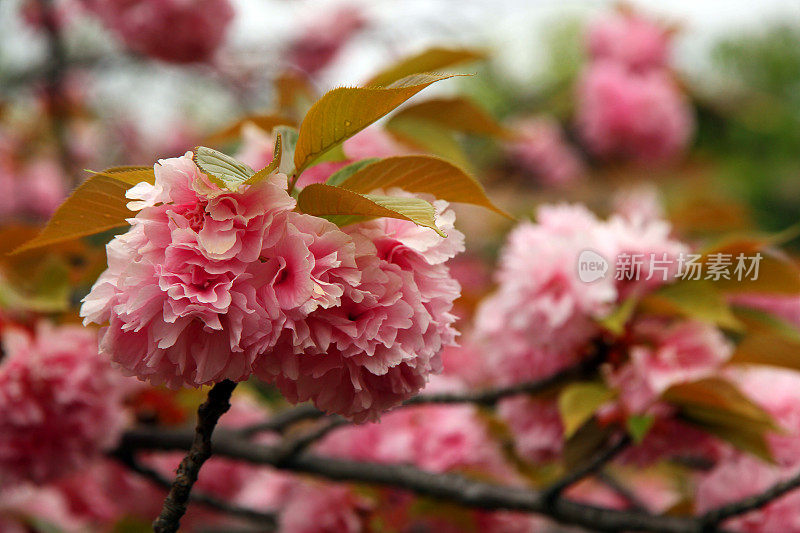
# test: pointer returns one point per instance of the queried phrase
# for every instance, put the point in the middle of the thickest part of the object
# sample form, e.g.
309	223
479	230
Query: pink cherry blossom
380	344
178	31
59	15
41	188
535	424
629	39
21	504
33	190
639	204
661	356
467	363
541	317
317	508
437	438
541	149
646	255
323	38
669	355
105	492
777	390
186	298
60	403
637	115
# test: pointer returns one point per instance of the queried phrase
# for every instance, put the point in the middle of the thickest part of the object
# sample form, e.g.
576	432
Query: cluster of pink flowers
630	39
540	148
628	103
60	404
543	318
32	189
542	315
178	31
384	338
323	38
439	439
210	284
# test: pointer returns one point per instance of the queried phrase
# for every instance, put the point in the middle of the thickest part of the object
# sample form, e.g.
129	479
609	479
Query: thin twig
54	74
614	484
486	397
284	419
208	414
602	458
297	445
489	397
745	505
265	520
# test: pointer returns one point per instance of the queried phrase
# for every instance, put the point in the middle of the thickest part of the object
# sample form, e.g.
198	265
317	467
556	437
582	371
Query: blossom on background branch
450	487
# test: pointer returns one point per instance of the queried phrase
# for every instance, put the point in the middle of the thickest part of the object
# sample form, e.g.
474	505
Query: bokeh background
703	132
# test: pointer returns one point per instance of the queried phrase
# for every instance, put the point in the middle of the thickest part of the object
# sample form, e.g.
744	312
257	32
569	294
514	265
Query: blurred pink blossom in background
323	37
178	31
630	39
541	149
60	404
637	115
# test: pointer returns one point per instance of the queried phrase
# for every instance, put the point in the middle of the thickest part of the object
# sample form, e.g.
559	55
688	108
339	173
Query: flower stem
209	412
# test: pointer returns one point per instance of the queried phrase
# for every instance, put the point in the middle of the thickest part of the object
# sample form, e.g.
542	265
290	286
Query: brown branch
752	503
55	71
281	421
614	484
486	397
448	487
208	414
489	397
265	520
293	447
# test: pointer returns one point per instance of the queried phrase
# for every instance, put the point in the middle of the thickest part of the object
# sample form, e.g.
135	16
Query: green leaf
421	135
289	142
578	402
222	169
718	406
421	174
264	173
585	442
334	155
234	131
456	113
327	201
638	426
47	289
343	112
342	174
777	274
429	60
697	299
616	320
97	205
767	341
